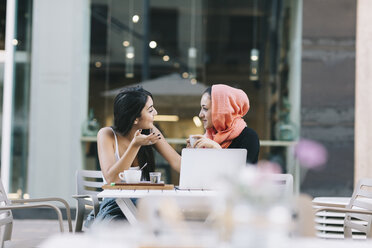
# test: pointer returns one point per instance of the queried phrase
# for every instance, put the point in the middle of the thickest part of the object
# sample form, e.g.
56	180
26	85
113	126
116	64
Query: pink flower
310	154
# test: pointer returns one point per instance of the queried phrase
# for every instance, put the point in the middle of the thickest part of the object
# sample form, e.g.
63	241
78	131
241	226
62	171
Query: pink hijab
229	105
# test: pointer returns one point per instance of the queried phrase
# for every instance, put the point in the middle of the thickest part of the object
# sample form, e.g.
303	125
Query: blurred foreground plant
256	207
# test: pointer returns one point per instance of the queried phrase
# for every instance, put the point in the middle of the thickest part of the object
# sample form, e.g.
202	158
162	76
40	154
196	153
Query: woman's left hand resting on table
204	142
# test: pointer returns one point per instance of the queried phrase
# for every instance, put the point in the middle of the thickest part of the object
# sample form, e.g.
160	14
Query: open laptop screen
203	168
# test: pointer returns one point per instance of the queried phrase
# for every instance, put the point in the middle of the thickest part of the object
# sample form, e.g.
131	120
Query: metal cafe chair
89	184
6	207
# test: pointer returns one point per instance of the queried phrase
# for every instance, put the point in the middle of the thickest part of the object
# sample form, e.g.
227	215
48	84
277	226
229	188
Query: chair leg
7	234
80	211
8	231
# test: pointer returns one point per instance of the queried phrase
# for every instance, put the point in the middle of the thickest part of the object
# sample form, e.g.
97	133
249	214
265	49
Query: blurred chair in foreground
357	213
89	184
6	217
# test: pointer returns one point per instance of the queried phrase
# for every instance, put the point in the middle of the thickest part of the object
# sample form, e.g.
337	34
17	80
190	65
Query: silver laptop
202	169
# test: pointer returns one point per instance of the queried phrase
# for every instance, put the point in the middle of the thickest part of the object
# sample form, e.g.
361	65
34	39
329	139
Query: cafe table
123	198
97	240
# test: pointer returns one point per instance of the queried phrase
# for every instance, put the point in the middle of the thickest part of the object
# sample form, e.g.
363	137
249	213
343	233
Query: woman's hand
204	142
145	140
190	142
188	145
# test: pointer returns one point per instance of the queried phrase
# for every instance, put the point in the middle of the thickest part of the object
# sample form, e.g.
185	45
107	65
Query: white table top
93	241
117	193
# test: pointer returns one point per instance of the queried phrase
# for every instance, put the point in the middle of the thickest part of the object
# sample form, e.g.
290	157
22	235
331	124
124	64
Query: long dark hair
128	105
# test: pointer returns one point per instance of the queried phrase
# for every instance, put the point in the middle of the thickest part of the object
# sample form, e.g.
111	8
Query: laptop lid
204	168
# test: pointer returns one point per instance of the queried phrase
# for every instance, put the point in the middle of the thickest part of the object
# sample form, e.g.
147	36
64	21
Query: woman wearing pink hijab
222	111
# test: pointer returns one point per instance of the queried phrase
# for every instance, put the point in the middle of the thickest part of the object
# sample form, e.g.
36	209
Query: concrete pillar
59	95
8	58
363	92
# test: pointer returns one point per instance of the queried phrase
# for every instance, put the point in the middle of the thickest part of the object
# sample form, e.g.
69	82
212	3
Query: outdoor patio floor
30	233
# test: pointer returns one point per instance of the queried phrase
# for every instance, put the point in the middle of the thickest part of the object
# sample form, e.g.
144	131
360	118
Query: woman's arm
106	152
162	146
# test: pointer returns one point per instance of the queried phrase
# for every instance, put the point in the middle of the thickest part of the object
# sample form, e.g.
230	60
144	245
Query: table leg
128	208
131	205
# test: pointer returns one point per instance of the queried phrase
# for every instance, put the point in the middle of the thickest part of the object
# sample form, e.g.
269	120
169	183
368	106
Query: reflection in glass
254	64
129	62
21	91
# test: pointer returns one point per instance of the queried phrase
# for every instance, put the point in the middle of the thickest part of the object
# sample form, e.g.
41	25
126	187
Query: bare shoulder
105	133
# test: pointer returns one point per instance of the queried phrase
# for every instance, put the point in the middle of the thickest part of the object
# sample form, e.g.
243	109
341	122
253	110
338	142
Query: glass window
177	48
20	118
2	57
2	23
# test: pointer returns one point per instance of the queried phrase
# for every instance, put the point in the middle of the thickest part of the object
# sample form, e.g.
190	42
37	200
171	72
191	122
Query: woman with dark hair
222	111
128	143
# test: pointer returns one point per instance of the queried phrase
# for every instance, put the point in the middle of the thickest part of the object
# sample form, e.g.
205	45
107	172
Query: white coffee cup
192	140
131	176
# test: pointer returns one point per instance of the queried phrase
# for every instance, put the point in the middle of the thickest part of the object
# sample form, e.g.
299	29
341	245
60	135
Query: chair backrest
361	199
89	182
6	217
285	184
